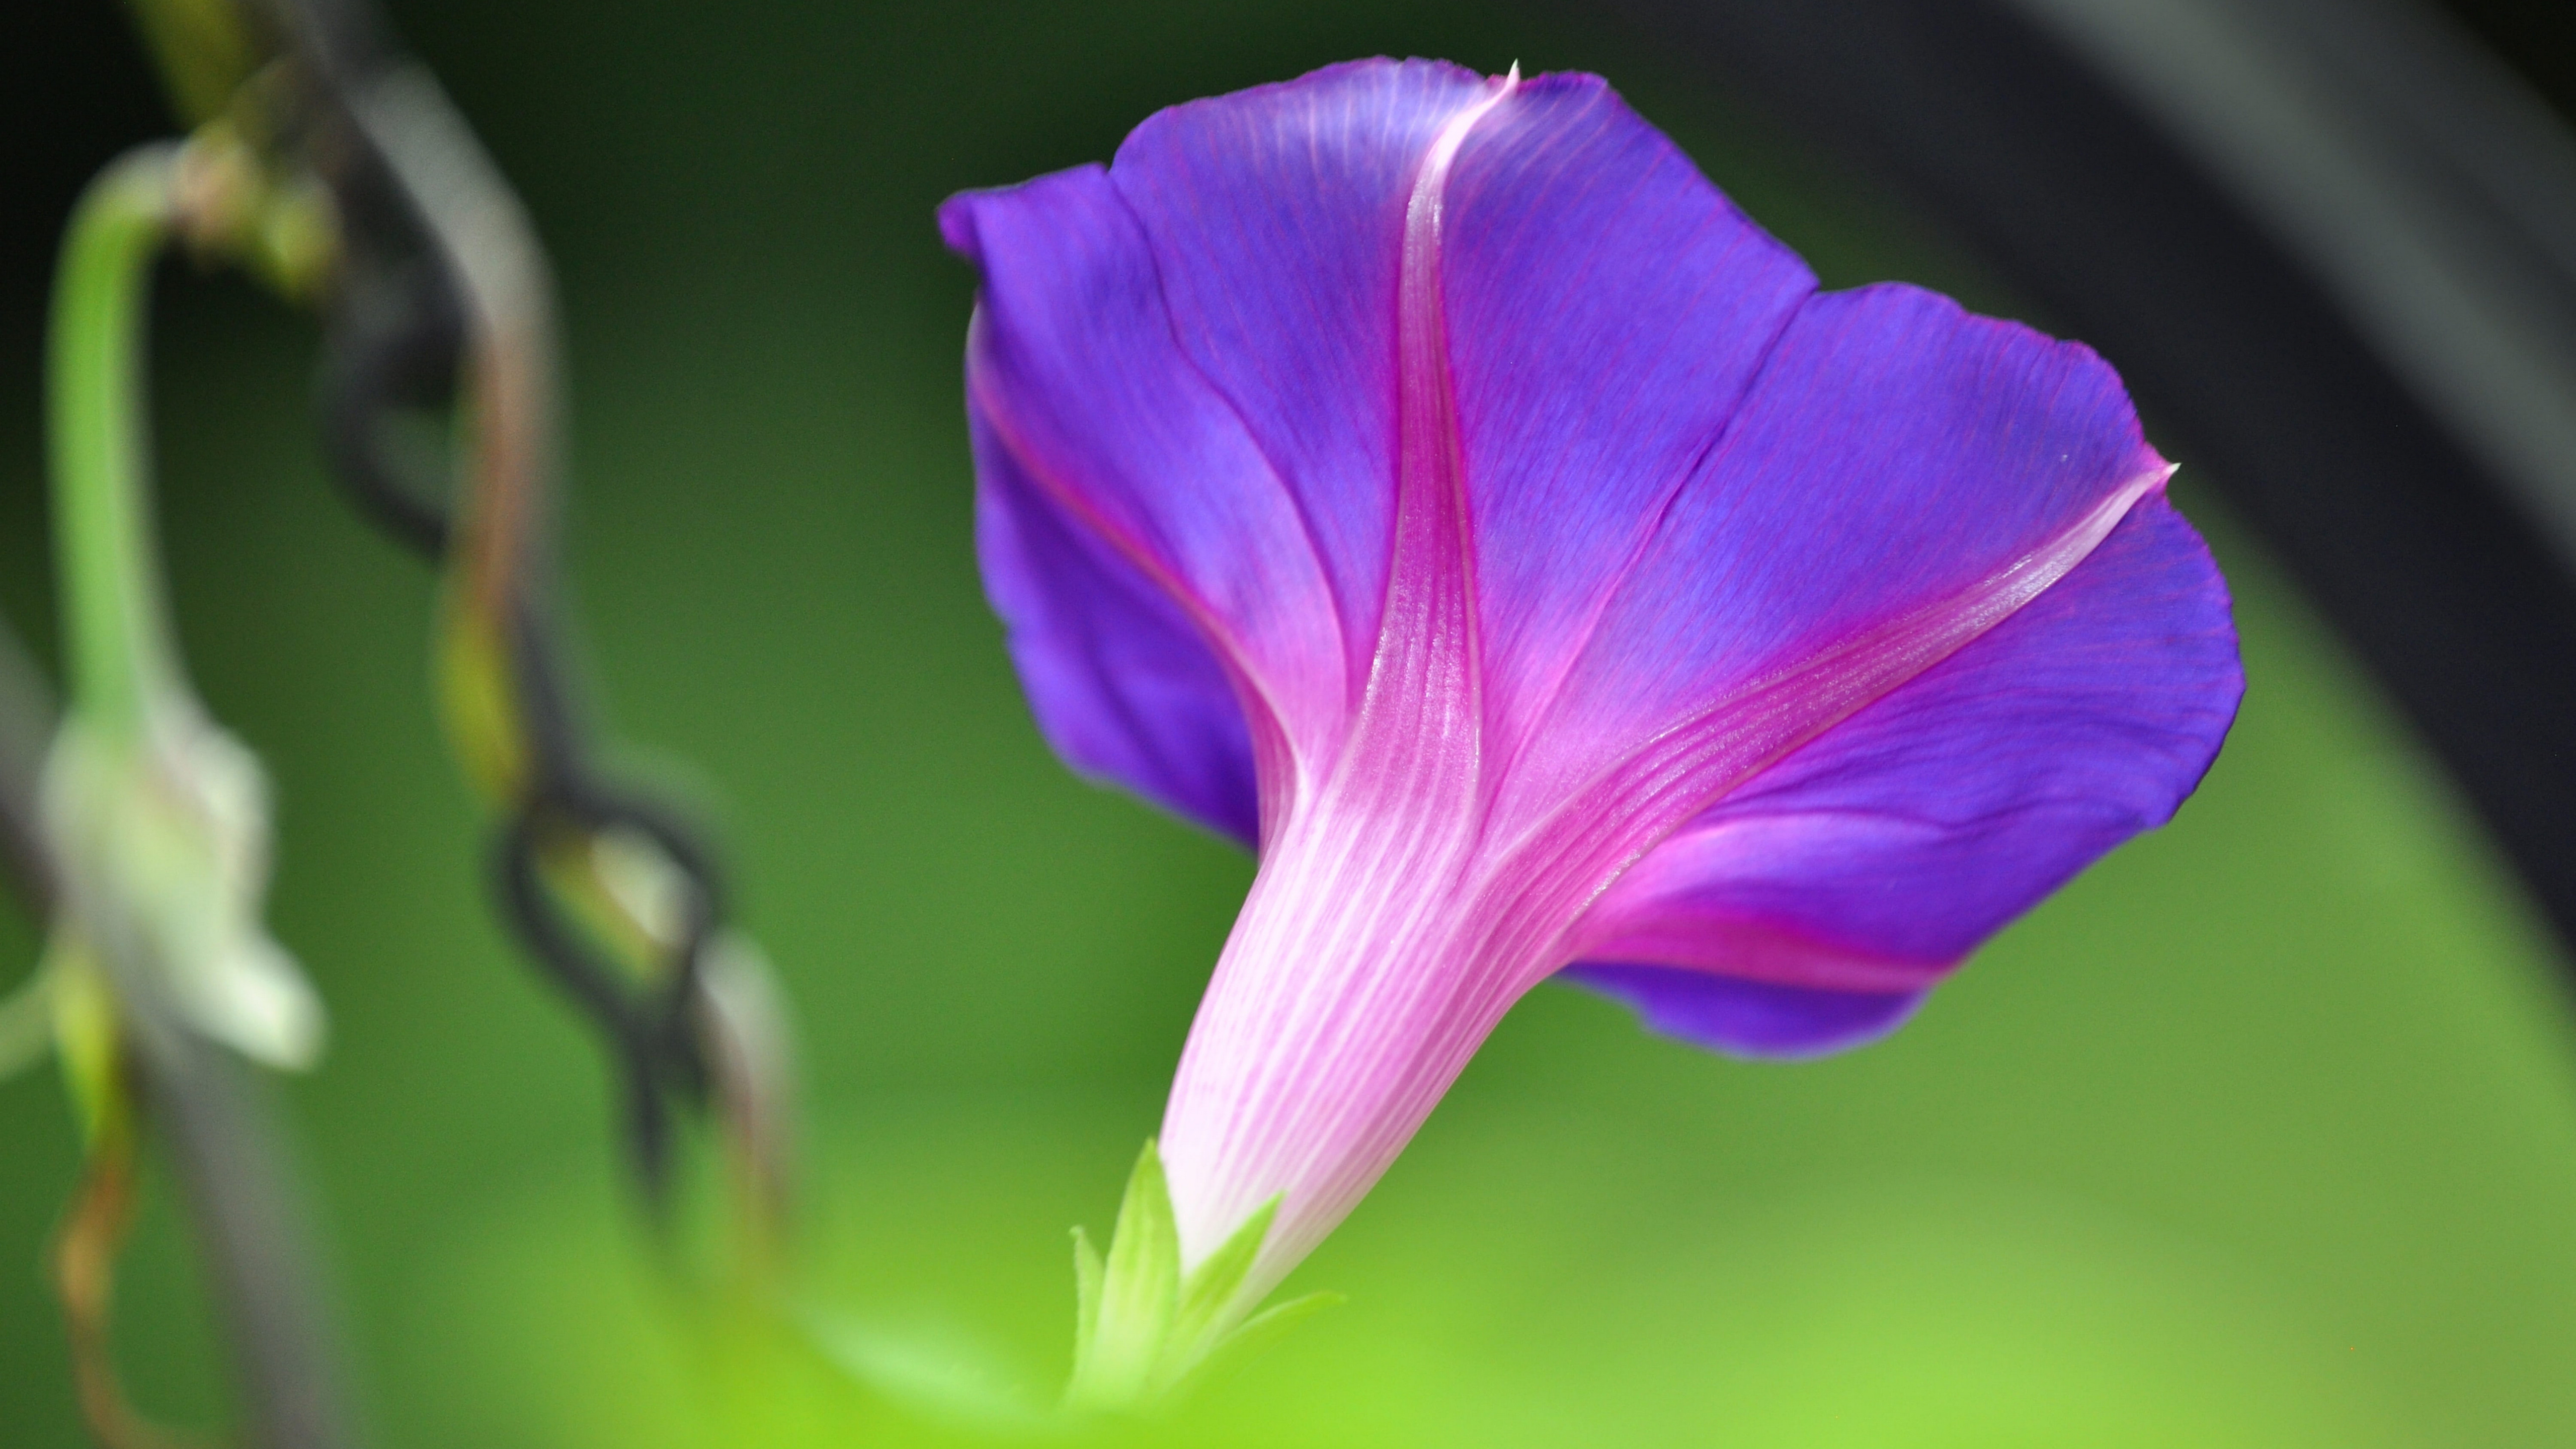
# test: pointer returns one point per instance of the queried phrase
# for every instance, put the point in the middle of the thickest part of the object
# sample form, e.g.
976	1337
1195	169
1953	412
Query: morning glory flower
1432	481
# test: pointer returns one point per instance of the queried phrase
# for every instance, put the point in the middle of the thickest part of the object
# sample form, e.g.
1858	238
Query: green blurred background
2262	1133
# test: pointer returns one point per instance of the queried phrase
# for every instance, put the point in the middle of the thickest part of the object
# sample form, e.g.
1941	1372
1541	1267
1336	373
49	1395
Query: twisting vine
444	299
330	165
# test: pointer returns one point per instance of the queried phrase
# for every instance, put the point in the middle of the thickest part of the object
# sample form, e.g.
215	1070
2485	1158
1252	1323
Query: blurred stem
121	662
117	631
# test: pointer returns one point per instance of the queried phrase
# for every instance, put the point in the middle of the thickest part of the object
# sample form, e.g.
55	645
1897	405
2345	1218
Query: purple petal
1878	856
1607	309
1749	1018
1895	453
1277	223
1075	379
1123	684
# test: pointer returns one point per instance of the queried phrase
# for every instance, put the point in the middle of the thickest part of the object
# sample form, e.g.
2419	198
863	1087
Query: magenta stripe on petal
1608	311
1276	219
1880	855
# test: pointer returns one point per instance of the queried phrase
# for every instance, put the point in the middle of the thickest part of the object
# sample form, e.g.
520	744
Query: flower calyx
1150	1332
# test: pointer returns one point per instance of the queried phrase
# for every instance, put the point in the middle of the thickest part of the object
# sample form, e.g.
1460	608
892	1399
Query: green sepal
1140	1285
1207	1293
1249	1341
1146	1334
1087	1271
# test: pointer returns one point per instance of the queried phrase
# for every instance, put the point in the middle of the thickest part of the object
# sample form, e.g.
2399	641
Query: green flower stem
119	651
149	859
